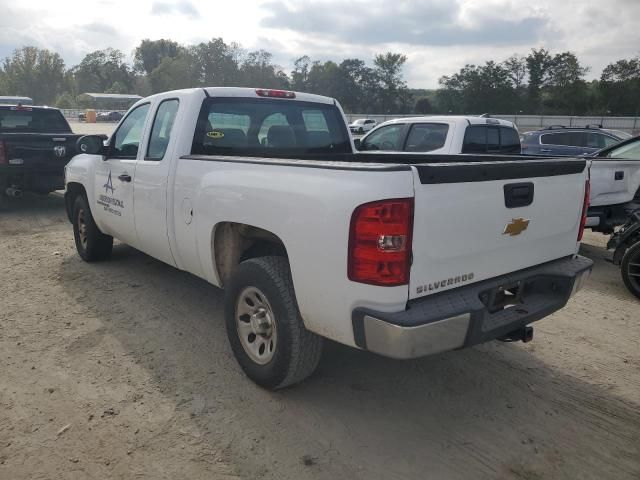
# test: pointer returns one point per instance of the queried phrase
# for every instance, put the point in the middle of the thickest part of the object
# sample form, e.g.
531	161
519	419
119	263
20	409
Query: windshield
252	126
29	120
358	122
630	151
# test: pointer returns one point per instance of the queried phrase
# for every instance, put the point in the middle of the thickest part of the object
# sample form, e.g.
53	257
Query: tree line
538	83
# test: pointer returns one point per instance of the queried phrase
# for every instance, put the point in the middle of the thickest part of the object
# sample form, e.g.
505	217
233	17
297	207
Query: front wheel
265	330
360	130
630	269
91	243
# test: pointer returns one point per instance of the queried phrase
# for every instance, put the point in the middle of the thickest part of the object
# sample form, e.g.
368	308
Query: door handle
124	177
619	175
545	150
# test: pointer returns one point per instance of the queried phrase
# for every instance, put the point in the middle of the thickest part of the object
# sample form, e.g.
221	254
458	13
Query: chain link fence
535	122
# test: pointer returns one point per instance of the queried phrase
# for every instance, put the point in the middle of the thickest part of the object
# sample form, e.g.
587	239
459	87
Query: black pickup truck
35	145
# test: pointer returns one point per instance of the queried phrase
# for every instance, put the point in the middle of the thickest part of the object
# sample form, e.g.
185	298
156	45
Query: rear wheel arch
232	243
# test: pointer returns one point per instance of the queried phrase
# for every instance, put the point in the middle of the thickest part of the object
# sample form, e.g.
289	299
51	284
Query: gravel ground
122	370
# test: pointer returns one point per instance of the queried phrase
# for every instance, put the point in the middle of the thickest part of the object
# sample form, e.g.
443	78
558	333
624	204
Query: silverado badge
516	226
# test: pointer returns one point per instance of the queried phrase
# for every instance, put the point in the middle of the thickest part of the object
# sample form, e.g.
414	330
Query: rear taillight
268	92
585	208
380	242
3	153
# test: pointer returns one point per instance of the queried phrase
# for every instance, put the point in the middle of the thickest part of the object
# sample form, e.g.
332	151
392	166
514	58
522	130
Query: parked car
109	116
443	135
362	125
558	140
260	192
82	116
35	145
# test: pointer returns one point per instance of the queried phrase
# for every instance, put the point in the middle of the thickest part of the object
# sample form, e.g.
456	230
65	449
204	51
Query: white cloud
438	36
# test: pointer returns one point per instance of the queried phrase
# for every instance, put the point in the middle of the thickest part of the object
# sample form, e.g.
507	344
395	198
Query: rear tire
264	326
91	243
630	269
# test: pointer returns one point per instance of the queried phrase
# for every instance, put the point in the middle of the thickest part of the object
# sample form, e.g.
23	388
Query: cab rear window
491	139
261	126
30	120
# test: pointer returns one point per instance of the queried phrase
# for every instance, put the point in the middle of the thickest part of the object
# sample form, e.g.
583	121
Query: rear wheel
91	243
631	269
265	330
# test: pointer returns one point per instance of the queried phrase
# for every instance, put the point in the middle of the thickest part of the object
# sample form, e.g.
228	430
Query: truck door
150	189
113	205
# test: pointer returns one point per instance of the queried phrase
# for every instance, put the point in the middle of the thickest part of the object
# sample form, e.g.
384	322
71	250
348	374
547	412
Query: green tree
538	66
619	87
478	89
388	67
66	100
148	55
174	73
257	70
423	106
565	90
34	72
216	63
300	74
100	70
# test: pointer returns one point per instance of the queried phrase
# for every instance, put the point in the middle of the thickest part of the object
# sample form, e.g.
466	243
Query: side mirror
91	144
357	143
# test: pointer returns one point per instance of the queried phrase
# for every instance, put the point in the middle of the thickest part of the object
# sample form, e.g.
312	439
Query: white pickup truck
260	192
443	135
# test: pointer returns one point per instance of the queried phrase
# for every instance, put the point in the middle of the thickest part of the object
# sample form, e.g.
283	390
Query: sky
437	36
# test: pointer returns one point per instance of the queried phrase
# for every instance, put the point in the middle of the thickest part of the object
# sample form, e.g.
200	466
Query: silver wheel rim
82	228
256	325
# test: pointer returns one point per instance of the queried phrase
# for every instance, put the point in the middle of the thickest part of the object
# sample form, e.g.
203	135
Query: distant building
10	100
108	101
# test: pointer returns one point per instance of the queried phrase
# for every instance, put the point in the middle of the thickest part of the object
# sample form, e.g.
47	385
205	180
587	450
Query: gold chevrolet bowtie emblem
516	226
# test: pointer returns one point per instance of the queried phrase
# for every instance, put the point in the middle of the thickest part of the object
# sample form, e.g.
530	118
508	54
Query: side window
563	139
126	140
550	139
161	130
593	140
426	137
608	141
475	139
509	140
385	138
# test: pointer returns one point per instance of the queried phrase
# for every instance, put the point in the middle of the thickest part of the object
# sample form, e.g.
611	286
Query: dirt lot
122	370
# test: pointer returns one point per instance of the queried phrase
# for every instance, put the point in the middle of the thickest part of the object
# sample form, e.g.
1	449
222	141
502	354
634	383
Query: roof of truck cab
251	93
468	119
241	92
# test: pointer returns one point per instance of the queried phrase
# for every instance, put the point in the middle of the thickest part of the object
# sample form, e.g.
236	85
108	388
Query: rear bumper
32	178
463	317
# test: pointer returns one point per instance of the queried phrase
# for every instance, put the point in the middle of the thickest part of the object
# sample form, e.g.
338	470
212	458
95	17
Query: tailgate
39	150
475	221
